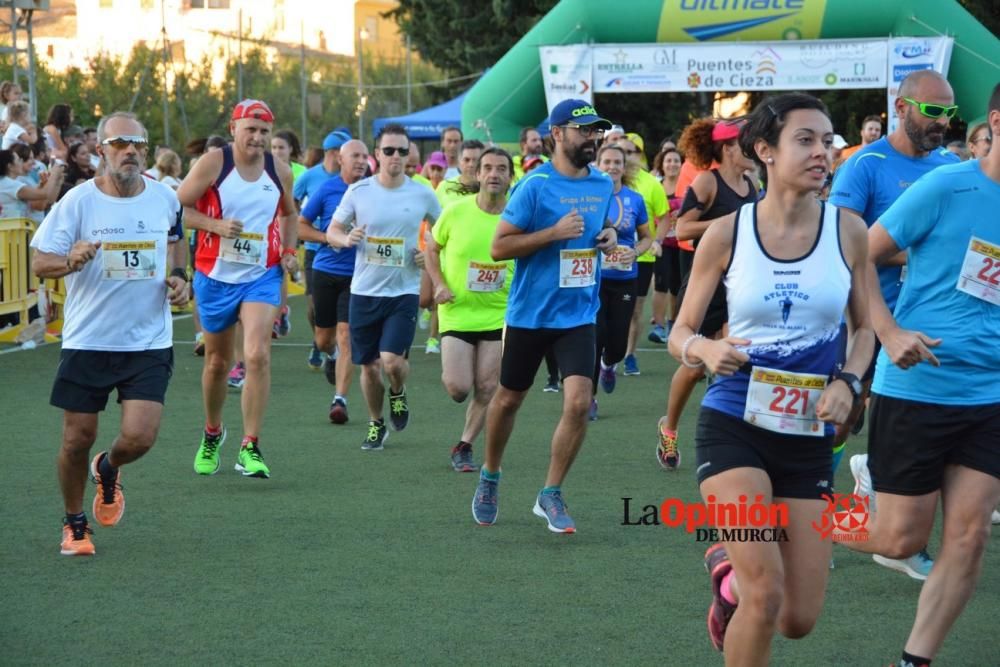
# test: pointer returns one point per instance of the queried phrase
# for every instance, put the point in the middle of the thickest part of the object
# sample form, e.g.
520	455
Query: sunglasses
933	110
586	131
389	151
122	142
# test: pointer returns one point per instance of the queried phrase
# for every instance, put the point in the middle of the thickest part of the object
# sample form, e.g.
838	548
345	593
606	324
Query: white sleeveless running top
256	205
790	310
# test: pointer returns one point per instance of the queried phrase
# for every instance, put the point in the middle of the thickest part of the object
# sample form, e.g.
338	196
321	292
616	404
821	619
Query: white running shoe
863	479
996	517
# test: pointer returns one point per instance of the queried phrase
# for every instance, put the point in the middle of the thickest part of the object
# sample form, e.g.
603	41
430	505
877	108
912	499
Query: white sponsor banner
566	72
788	65
912	54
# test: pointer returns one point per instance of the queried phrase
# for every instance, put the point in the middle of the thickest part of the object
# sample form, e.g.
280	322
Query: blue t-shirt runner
627	212
557	287
871	180
309	184
318	212
947	221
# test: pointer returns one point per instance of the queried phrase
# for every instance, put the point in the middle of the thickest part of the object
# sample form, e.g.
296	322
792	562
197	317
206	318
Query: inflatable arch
510	96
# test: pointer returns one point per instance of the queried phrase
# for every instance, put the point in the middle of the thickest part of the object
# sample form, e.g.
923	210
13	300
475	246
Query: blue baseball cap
576	111
335	140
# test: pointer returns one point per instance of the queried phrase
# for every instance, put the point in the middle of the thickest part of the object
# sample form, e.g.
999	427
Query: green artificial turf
346	557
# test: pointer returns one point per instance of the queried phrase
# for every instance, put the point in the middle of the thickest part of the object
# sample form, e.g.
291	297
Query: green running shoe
206	461
250	462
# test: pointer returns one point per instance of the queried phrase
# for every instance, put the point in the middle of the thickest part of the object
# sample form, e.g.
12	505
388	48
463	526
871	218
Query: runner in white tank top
789	266
240	201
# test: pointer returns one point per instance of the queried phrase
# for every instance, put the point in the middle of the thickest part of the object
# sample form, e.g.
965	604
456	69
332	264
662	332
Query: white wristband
684	351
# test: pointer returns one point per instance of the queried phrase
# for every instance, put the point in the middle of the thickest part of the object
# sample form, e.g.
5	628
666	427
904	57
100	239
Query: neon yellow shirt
423	180
656	204
481	286
448	191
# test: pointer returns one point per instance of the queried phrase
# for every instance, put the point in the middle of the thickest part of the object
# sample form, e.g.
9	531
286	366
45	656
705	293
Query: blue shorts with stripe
219	303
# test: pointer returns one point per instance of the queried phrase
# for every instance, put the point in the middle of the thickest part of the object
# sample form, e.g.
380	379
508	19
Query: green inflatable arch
510	96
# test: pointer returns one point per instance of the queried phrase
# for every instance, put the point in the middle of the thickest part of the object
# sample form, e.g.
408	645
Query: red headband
725	130
253	109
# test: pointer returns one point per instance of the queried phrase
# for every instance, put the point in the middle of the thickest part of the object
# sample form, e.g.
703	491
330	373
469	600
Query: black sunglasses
389	151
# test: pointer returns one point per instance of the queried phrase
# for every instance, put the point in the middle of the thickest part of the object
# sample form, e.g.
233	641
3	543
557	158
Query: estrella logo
702	20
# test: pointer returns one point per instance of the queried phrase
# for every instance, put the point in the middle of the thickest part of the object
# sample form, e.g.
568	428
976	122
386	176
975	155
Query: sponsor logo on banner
912	54
566	73
702	20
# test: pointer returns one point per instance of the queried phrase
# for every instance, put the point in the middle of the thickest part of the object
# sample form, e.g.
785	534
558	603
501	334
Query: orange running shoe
667	453
109	501
76	542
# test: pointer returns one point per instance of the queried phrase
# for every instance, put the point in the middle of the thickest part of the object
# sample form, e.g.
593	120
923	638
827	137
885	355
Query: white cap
839	141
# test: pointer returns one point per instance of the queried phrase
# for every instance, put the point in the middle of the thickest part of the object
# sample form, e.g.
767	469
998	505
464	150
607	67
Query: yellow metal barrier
18	287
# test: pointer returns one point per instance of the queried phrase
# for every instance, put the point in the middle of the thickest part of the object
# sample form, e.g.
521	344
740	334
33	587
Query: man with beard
381	216
867	185
332	270
109	239
240	198
554	225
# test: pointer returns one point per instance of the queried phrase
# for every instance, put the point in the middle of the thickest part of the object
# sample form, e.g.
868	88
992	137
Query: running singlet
318	212
557	286
871	181
480	285
791	311
258	247
118	301
947	221
626	213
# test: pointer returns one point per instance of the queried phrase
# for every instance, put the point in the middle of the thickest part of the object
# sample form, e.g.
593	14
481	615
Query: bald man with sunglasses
867	185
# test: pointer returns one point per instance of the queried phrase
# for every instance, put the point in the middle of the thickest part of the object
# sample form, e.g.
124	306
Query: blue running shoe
918	566
550	506
631	365
608	377
592	413
315	358
484	503
658	335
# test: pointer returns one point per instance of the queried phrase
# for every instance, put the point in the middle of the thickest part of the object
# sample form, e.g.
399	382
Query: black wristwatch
852	382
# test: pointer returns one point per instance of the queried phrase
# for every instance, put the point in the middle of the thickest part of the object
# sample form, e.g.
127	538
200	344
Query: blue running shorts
219	303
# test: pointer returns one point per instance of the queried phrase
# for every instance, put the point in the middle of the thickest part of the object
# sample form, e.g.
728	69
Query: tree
465	37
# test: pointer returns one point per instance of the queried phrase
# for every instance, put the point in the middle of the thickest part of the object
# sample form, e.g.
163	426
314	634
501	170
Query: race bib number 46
980	274
247	248
784	402
577	268
384	251
486	277
129	260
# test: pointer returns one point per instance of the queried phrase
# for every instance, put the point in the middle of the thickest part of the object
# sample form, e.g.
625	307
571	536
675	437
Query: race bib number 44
247	248
129	260
980	275
577	268
385	251
784	402
484	277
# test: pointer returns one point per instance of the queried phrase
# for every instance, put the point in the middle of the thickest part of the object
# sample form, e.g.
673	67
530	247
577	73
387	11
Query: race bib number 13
980	275
129	260
784	402
247	248
577	268
384	251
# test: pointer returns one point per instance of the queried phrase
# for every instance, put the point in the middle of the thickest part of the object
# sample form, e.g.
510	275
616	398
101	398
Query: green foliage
464	37
196	107
986	12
